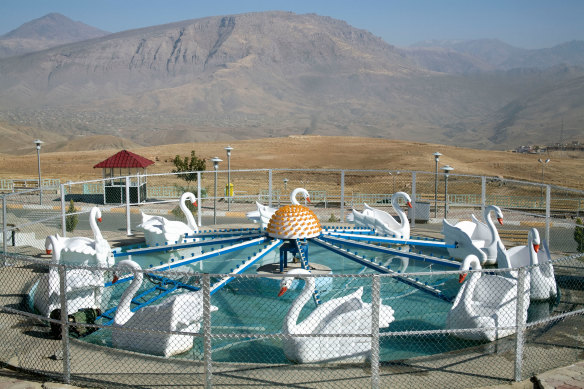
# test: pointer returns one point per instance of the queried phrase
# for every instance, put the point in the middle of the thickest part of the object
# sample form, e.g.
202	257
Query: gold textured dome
294	222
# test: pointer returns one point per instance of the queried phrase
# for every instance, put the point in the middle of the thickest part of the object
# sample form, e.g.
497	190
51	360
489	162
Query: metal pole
128	226
40	182
64	323
436	158
375	308
199	209
228	181
483	192
342	196
520	323
445	195
215	199
207	330
63	212
548	200
270	187
414	205
4	231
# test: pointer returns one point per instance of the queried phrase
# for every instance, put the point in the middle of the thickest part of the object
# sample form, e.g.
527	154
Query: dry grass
311	152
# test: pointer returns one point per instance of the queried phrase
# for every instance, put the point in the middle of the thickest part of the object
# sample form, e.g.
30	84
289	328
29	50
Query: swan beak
195	203
49	251
536	247
410	204
115	279
461	278
99	219
500	220
282	291
308	200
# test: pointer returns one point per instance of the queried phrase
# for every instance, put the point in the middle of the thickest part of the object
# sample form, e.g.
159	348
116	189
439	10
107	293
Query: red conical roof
125	158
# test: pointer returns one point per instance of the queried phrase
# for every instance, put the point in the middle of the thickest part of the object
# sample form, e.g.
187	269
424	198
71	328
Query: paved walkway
569	377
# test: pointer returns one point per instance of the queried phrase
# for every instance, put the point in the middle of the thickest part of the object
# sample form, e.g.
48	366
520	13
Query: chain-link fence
214	321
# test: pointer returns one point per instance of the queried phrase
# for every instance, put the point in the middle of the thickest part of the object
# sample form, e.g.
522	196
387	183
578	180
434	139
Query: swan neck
293	197
398	209
290	322
123	313
188	214
490	224
94	228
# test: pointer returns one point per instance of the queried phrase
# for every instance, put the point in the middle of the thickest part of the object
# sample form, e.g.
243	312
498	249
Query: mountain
48	31
274	74
492	54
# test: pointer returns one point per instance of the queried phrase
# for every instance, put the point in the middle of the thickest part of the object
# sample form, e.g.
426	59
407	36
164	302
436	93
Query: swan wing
79	245
327	312
481	231
383	217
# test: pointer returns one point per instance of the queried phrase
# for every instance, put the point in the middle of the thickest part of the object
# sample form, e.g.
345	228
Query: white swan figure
344	315
86	251
180	313
83	287
161	231
474	237
486	303
382	222
543	281
264	213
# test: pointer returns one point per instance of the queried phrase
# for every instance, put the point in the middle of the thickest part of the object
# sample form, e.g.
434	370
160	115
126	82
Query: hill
274	74
310	152
48	31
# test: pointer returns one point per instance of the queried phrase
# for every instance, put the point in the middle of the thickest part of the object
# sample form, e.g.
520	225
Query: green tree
579	235
72	218
189	166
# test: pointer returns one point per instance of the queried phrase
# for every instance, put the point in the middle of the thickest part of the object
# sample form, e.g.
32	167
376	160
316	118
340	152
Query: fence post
207	329
270	187
63	212
520	323
4	230
342	196
375	301
413	222
199	205
128	225
548	200
483	193
64	323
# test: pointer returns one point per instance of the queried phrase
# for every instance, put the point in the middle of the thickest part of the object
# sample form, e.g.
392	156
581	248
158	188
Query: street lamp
38	144
228	149
436	158
447	169
216	161
543	164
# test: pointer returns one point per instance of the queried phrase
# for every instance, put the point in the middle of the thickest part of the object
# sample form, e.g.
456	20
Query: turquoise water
250	305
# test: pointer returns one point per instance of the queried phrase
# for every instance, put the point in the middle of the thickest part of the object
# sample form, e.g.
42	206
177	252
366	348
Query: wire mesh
244	333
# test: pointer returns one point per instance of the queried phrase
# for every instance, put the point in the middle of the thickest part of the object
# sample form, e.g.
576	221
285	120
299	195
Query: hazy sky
522	23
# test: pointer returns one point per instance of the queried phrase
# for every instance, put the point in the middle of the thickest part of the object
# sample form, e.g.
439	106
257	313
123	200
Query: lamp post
216	161
228	149
436	158
543	164
38	144
447	169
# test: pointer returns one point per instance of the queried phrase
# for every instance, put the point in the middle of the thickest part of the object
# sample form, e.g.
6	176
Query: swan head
190	196
295	192
470	261
95	213
498	213
533	238
405	196
126	264
287	281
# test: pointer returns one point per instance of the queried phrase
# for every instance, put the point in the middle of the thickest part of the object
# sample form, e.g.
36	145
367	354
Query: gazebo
129	164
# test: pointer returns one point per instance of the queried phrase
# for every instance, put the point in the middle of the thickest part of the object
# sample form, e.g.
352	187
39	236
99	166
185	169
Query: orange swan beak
282	291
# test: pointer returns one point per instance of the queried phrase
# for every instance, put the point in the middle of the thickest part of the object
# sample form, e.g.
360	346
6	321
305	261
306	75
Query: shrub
72	218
